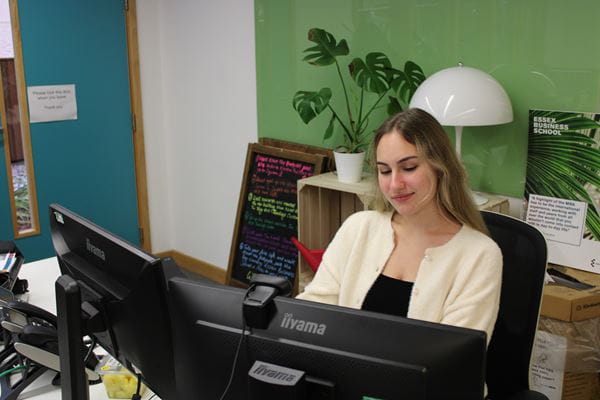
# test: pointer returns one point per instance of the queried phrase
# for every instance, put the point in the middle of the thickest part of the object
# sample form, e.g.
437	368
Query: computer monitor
122	294
343	353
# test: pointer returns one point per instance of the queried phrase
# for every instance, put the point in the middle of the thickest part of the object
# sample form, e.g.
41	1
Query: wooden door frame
25	133
138	125
137	128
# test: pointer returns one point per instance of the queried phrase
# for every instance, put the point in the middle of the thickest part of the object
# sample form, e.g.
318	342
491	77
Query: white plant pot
349	166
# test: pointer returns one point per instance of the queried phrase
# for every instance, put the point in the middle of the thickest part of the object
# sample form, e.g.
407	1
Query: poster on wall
563	185
52	103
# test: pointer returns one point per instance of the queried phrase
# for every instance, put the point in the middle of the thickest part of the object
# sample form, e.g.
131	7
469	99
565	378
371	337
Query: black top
388	296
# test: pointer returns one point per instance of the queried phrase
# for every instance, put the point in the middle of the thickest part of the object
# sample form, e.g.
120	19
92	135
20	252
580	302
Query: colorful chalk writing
269	218
273	206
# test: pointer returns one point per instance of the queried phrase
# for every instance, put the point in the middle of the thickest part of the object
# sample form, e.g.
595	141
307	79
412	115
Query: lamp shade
463	96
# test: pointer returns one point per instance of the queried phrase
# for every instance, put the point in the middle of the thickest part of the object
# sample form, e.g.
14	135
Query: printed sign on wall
52	103
563	185
559	220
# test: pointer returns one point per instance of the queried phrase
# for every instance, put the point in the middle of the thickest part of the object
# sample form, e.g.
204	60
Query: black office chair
509	353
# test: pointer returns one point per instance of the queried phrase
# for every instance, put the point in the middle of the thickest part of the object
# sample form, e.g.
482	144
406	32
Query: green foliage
408	81
326	50
310	104
375	74
23	208
562	165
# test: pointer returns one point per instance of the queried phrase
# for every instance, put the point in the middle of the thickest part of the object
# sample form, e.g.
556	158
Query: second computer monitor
123	288
343	353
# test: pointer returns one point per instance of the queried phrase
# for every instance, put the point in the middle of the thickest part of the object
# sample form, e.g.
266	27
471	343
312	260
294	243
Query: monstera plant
373	74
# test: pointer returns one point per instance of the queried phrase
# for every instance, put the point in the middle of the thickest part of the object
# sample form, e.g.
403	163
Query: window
15	126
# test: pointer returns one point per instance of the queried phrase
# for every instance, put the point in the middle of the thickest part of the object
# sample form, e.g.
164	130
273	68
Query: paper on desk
548	364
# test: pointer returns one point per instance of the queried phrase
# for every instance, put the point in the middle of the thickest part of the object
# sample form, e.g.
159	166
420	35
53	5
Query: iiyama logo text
288	322
263	369
94	250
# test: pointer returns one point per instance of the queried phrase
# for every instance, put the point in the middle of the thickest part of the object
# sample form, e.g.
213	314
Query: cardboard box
567	304
567	362
578	386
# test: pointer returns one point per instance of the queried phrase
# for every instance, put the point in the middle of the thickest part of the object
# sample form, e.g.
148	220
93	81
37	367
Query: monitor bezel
351	319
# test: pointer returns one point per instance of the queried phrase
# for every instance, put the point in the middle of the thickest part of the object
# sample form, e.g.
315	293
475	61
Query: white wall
198	80
157	146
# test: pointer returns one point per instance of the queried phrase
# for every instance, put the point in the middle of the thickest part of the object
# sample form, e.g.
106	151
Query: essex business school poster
563	185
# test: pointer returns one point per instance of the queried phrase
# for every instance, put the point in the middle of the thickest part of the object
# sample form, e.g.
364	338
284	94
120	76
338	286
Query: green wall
546	54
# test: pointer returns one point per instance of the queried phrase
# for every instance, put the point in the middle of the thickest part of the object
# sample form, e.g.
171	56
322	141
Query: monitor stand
73	382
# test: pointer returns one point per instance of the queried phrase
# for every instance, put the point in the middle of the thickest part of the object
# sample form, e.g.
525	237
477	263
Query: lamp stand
478	199
458	139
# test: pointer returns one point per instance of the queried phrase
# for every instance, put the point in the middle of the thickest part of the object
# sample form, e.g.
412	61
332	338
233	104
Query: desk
41	276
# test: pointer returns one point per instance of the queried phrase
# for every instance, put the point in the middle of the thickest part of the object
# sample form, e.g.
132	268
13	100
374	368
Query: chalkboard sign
328	160
267	215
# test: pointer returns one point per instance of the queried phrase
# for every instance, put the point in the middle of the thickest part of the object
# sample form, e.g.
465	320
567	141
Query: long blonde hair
423	131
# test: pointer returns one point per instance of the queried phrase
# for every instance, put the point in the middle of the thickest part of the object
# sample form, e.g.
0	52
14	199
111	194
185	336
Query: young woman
423	252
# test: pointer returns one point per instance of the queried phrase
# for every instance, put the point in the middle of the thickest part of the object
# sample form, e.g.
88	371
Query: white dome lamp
464	96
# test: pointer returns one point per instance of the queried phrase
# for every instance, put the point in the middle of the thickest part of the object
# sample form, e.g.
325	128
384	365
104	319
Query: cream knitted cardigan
457	283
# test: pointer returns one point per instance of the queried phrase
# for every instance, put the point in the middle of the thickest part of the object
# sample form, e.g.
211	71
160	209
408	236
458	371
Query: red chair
312	257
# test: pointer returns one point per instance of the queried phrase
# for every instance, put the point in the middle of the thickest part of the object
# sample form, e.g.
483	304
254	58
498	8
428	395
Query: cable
137	395
139	383
11	370
235	359
90	349
237	351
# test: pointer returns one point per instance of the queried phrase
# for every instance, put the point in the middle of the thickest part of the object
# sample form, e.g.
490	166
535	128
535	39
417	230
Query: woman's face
405	178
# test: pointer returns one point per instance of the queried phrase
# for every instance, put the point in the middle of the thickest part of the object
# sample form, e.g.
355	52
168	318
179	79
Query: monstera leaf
374	74
326	50
407	81
329	130
310	104
393	106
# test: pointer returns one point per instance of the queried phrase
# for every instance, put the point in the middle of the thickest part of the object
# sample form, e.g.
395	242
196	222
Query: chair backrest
524	254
